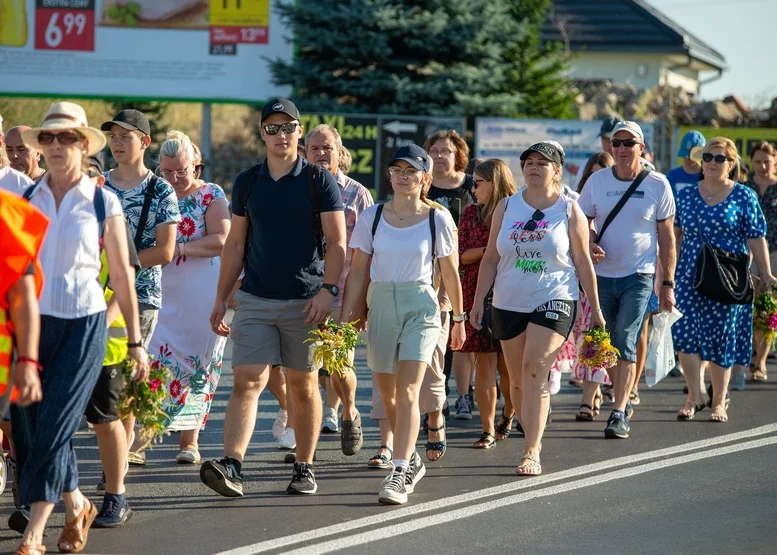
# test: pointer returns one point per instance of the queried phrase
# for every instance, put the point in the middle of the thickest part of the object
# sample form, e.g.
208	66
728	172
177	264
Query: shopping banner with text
203	50
745	138
506	139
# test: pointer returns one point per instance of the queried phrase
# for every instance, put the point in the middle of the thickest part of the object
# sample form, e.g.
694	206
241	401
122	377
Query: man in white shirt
625	254
11	180
23	157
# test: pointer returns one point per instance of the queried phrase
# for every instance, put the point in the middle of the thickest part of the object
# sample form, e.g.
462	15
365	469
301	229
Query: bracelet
34	362
134	345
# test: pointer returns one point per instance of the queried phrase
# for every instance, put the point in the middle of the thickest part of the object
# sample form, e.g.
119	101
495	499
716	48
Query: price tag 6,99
64	25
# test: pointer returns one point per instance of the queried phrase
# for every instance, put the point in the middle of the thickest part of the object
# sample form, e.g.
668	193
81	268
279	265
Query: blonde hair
731	153
177	143
4	161
346	160
502	186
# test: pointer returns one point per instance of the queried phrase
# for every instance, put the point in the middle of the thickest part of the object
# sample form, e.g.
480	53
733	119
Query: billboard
507	138
745	138
197	50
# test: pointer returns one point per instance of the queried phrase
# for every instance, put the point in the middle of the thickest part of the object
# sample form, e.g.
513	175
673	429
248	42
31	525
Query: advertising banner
507	138
199	50
745	138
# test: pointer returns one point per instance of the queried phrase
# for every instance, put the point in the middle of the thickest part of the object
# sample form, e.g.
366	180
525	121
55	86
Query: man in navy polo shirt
288	289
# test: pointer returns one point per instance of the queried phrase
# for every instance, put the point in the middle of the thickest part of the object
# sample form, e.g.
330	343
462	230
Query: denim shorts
624	303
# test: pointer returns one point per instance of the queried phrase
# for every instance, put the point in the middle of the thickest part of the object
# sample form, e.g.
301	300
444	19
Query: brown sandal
26	549
76	532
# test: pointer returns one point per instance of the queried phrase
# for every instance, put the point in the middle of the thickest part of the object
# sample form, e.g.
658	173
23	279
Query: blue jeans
71	353
624	304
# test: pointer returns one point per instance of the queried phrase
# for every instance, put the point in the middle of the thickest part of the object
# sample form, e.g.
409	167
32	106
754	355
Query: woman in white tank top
537	248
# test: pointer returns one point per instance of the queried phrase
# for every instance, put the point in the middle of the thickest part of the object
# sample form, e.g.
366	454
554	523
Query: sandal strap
586	406
436	445
529	458
441	428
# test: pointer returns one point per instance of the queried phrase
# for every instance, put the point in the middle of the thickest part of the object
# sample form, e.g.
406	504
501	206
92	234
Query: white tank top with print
535	266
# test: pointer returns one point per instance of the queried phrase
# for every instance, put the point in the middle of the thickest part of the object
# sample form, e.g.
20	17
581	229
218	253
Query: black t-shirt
455	200
282	261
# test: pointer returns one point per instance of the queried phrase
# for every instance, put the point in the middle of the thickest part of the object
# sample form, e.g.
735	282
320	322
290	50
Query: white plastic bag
660	355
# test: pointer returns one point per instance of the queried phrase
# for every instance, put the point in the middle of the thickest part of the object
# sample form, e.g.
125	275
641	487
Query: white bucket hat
66	116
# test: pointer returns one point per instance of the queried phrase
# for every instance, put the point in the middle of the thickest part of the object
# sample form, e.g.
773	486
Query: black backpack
315	193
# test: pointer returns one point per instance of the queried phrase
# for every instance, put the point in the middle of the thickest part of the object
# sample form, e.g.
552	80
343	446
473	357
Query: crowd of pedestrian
461	272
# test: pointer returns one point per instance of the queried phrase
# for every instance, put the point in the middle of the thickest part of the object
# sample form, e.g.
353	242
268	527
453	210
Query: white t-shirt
13	181
70	255
402	255
630	243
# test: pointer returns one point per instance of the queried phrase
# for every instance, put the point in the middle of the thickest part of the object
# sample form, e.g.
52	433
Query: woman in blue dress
712	332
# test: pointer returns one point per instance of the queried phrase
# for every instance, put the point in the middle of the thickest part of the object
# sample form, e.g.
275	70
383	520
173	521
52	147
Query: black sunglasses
625	142
65	139
535	219
719	158
287	128
477	182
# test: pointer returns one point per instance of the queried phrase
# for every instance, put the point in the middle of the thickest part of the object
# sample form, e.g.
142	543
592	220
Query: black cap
280	106
415	156
96	161
129	119
608	124
549	150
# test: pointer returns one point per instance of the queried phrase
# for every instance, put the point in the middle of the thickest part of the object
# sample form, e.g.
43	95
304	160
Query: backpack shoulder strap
148	197
376	221
433	229
27	195
316	194
626	196
99	210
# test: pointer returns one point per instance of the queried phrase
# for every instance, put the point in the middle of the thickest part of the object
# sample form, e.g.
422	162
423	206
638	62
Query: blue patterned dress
720	333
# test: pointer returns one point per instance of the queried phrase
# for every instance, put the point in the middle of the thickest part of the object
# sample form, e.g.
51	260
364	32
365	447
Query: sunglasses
719	158
535	219
93	173
477	182
625	142
287	128
65	139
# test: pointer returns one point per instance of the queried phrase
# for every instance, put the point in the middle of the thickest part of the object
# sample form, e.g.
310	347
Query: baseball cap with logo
630	127
608	124
551	150
690	140
280	106
129	119
413	155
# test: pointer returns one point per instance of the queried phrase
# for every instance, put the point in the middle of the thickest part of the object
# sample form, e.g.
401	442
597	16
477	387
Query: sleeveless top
536	266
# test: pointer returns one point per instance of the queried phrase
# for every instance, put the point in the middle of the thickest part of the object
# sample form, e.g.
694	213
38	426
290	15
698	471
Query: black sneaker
222	477
414	473
115	512
617	426
302	480
102	484
394	490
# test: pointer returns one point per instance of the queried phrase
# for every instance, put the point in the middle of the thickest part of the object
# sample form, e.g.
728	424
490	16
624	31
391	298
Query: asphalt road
673	487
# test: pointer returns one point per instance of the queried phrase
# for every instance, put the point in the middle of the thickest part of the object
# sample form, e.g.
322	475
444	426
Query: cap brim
525	154
294	117
129	127
630	132
415	163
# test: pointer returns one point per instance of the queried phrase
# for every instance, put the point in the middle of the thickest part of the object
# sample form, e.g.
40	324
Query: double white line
671	456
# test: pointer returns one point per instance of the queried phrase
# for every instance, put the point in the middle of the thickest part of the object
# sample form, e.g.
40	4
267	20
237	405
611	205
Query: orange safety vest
22	231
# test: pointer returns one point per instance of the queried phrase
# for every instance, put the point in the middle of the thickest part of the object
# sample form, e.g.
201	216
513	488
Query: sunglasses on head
709	157
532	224
273	129
625	142
65	139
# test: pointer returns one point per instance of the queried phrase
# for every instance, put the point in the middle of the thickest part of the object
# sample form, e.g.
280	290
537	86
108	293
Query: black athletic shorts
102	406
558	316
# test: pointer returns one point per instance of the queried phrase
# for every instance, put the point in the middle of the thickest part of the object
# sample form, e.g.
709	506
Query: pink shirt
356	199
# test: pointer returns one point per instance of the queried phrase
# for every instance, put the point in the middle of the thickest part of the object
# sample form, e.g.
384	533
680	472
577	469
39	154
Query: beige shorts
270	331
431	397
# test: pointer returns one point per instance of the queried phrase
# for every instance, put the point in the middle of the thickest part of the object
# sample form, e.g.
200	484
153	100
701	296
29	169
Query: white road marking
444	518
519	484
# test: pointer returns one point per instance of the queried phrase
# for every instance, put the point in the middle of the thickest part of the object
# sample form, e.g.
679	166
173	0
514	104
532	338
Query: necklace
708	196
401	219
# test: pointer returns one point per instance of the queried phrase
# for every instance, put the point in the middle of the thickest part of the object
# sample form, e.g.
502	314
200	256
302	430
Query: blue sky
744	32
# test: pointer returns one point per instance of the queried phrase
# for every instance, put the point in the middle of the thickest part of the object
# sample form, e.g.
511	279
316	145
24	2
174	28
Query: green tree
433	57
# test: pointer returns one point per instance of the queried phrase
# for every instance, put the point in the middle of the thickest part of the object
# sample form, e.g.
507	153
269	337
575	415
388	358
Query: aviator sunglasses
531	225
65	139
630	143
288	128
709	157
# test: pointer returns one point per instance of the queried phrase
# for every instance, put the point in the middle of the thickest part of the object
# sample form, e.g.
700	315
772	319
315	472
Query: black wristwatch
668	283
334	289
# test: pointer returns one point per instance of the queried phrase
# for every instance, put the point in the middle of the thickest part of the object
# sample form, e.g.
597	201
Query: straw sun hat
64	116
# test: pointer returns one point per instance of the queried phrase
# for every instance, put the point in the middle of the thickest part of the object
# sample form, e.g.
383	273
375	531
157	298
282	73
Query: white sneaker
554	383
279	426
329	423
287	441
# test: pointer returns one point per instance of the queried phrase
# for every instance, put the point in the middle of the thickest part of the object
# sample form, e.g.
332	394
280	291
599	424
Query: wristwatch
334	289
668	283
460	318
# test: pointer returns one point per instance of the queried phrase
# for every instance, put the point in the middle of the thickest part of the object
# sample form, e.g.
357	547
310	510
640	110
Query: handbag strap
626	196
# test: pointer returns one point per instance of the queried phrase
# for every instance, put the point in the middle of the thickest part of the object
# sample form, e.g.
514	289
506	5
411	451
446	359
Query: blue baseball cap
413	155
690	140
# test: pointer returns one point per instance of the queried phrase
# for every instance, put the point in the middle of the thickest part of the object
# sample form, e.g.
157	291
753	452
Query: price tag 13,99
64	25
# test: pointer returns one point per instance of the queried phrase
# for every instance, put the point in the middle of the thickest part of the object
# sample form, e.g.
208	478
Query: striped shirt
356	199
70	256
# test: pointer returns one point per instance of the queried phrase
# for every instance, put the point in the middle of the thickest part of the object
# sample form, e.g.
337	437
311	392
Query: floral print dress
183	340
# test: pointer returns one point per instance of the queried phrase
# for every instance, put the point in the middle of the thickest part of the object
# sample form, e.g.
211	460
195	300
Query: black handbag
721	275
487	321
